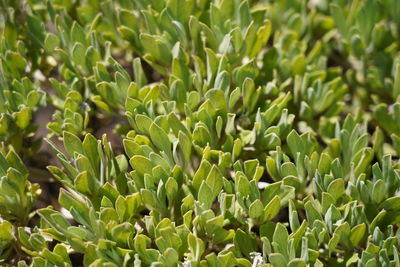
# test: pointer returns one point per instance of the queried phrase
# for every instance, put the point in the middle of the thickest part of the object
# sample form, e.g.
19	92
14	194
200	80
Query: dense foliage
199	133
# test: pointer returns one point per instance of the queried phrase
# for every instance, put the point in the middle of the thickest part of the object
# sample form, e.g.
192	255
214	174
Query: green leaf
297	263
280	239
156	48
201	135
379	191
78	34
171	188
277	259
263	34
178	93
340	20
247	71
78	54
215	180
222	82
396	84
51	42
143	123
160	138
72	144
336	188
23	117
357	234
196	246
205	195
256	209
90	145
244	15
272	209
6	233
78	209
392	203
242	185
140	77
185	146
84	184
299	65
217	98
149	199
295	143
181	71
244	243
201	173
141	164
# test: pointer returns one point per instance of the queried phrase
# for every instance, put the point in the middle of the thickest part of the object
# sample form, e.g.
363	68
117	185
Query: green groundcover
199	133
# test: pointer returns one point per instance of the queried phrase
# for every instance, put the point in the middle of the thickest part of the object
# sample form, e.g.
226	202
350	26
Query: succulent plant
199	133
